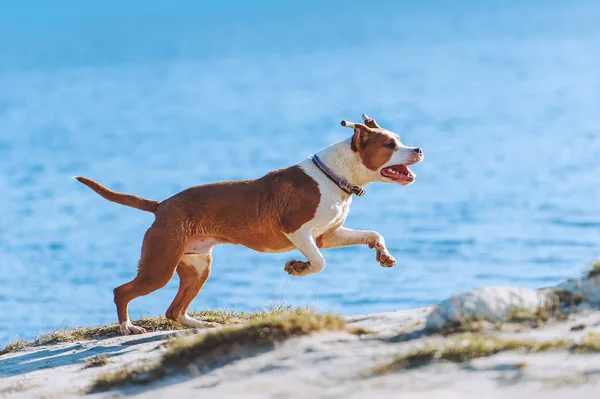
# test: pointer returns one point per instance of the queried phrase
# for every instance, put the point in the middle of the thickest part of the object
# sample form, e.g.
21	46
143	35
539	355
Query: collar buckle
341	182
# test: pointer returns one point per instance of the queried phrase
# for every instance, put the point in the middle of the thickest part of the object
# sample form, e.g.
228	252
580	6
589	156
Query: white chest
334	205
329	215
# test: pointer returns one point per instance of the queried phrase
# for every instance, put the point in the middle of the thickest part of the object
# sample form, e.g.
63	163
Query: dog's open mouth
398	173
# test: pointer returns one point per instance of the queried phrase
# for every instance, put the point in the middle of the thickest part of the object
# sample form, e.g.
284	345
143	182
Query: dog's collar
341	182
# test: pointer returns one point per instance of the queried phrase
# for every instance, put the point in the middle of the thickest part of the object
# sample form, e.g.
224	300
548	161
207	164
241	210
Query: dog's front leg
344	237
302	239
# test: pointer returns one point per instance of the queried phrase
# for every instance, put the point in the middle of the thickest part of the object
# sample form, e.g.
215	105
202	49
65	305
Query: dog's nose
418	151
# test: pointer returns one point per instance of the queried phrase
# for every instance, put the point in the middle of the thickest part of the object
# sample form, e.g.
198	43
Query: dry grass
124	376
560	303
360	331
534	318
520	365
96	361
14	346
463	347
159	323
594	270
563	299
474	324
265	331
151	324
589	344
218	345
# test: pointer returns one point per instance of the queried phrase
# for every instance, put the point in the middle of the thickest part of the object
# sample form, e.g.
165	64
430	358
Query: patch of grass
121	376
576	379
589	344
520	365
594	270
463	347
265	331
160	323
14	346
475	324
360	331
537	317
215	345
226	317
566	299
96	361
559	301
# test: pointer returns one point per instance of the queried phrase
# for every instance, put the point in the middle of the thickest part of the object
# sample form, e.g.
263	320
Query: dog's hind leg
161	251
193	271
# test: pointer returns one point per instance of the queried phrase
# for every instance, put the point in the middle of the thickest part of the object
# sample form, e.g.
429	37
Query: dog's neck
346	163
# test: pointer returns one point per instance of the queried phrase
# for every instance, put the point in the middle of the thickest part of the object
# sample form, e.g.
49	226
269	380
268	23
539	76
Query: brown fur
254	213
191	282
123	199
370	143
260	214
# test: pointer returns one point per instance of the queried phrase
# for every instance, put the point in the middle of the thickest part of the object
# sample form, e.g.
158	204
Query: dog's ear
370	122
361	134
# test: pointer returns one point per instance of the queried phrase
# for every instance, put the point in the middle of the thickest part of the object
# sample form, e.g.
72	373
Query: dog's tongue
402	169
398	173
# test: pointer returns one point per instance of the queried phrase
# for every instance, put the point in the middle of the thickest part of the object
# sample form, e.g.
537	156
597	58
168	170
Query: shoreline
497	341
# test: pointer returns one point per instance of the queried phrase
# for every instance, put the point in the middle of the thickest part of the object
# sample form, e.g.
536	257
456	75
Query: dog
301	207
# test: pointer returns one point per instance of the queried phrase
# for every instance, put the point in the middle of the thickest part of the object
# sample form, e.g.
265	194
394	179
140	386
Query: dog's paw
297	268
128	329
385	259
190	322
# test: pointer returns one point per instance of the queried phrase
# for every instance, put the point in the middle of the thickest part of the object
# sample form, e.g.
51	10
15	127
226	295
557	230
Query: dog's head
382	153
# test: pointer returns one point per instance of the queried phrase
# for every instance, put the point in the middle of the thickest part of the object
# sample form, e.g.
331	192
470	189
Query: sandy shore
340	364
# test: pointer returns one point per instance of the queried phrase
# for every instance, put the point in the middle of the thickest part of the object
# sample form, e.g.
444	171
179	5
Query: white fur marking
199	261
124	327
304	241
190	322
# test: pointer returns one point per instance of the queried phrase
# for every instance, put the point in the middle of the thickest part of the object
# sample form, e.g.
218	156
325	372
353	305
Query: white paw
190	322
297	268
385	259
127	328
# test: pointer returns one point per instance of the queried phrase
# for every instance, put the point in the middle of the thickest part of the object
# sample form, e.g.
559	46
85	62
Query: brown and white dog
302	207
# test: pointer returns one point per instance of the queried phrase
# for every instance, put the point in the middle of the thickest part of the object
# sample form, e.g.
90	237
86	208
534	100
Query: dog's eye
391	145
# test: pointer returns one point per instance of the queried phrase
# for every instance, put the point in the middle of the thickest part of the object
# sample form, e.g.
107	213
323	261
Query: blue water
152	97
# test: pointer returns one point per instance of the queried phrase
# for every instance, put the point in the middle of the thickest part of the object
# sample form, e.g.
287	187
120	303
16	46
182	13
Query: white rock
490	303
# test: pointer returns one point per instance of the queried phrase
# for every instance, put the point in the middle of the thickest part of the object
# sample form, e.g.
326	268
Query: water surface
150	98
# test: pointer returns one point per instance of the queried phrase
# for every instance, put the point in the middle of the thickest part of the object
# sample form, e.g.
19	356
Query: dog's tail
120	198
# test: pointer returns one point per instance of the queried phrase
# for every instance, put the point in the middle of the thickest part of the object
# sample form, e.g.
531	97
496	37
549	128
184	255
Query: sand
339	364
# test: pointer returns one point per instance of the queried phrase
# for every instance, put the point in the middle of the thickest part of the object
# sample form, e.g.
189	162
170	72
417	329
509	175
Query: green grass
217	345
463	347
160	323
